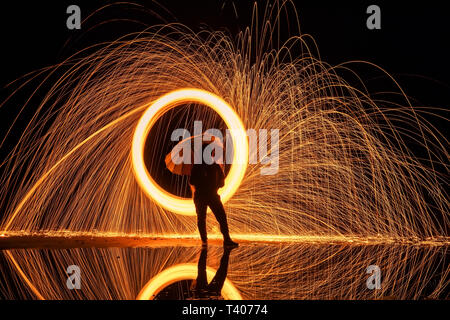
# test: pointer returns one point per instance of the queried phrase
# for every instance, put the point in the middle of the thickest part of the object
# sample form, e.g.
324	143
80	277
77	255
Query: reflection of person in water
214	288
206	179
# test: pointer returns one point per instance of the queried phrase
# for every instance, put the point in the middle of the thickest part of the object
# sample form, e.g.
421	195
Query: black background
414	38
173	309
413	44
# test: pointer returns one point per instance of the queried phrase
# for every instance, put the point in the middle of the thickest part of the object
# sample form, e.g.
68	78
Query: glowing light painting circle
154	112
185	271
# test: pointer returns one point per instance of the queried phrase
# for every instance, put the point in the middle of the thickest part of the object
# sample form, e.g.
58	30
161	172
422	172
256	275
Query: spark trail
346	168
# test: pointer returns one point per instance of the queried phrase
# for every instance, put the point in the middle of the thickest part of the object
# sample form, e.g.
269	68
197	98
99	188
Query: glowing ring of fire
185	271
151	115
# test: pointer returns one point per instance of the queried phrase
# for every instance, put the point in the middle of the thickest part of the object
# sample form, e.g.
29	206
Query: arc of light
109	125
154	112
24	277
179	272
64	158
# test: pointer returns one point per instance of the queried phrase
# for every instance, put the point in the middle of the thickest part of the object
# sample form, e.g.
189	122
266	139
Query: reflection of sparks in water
345	168
279	271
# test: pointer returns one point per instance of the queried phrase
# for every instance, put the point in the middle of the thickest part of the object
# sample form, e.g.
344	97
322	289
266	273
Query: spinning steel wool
346	168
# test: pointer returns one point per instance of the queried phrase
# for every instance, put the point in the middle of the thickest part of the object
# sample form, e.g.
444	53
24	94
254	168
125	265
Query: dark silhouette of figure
199	289
206	180
204	290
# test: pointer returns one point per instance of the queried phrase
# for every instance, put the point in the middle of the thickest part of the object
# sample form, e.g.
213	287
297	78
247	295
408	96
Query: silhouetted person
214	288
206	180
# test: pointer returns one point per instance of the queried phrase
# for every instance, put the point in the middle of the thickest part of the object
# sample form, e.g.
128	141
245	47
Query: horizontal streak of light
15	237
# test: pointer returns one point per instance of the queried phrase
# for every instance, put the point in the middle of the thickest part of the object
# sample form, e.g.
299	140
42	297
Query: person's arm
220	176
193	180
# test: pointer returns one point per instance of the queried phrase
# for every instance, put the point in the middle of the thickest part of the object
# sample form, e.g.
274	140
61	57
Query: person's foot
230	243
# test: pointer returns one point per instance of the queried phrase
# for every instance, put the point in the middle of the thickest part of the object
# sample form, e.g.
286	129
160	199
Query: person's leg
219	212
216	285
200	207
202	281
